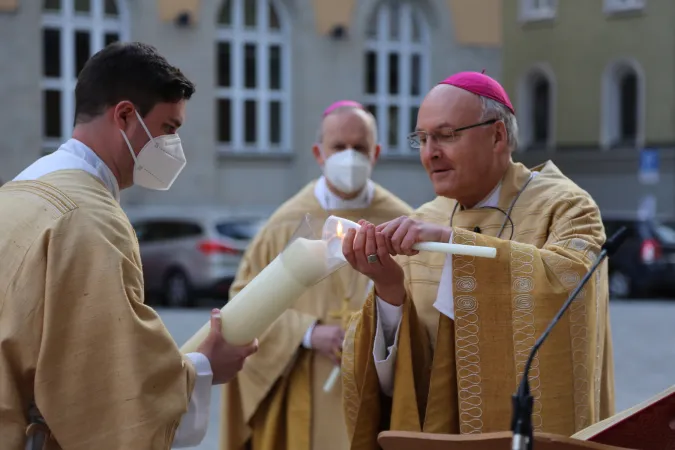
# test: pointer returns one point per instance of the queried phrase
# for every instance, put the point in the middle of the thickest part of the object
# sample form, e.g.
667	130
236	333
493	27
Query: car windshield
665	233
241	229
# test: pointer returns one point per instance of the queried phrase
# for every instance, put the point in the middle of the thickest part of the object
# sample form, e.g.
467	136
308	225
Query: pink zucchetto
342	104
480	84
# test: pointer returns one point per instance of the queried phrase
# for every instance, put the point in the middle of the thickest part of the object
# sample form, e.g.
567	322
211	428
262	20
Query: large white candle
246	316
301	265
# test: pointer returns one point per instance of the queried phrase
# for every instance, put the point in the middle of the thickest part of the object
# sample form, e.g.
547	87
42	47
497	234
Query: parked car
188	253
645	263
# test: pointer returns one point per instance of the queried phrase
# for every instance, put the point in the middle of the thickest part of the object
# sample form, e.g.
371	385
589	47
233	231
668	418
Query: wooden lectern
645	426
403	440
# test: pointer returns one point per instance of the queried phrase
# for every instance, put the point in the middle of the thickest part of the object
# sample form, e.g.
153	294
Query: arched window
622	105
253	77
396	70
628	107
536	107
541	111
72	31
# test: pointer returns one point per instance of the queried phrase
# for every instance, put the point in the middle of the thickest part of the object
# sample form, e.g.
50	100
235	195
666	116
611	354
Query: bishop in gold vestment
453	357
277	401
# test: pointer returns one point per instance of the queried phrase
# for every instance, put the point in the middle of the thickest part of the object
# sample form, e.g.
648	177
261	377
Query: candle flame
339	230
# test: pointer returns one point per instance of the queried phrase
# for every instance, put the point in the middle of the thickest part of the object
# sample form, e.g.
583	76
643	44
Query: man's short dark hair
130	71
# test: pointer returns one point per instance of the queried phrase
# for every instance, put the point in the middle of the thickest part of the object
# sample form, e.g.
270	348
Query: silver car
189	253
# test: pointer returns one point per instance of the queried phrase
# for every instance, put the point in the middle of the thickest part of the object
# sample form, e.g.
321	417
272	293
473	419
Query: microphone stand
521	422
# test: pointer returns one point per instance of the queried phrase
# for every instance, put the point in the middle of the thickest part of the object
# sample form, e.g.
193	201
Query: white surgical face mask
348	170
159	162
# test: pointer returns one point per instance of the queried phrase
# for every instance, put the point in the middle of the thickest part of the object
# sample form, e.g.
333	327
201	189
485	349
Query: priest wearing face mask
84	363
442	341
277	401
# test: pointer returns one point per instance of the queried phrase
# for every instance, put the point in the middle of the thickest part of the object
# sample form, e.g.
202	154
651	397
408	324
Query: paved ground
644	350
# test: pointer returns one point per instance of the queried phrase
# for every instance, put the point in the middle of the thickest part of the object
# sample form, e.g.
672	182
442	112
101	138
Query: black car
645	263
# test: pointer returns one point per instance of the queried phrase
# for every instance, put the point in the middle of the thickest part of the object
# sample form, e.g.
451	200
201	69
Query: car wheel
177	290
619	285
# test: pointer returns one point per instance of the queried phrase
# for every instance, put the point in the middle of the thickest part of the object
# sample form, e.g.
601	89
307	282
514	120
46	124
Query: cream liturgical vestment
277	401
84	364
453	357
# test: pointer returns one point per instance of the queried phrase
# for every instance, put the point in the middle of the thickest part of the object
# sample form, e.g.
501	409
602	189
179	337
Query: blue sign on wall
648	172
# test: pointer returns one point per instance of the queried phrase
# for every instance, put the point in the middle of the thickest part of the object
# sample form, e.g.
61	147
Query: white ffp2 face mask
348	170
159	162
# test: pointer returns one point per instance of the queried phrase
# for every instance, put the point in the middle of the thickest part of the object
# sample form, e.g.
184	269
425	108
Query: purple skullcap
480	84
342	104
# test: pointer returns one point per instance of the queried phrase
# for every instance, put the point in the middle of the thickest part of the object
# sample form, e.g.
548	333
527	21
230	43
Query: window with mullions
253	77
72	31
396	70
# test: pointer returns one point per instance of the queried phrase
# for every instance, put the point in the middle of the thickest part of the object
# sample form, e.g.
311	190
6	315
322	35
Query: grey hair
495	110
368	116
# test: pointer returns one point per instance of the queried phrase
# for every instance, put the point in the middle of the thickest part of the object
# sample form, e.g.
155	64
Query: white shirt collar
492	200
102	169
73	155
329	201
103	172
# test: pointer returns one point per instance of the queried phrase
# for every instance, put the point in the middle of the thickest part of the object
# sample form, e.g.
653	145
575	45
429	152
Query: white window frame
382	45
534	10
67	21
620	6
238	35
611	100
525	105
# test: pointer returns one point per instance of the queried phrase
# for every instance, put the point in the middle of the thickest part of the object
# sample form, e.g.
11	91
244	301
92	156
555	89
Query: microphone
521	421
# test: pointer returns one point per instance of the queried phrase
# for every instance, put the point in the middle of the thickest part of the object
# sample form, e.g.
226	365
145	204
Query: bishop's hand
367	252
403	232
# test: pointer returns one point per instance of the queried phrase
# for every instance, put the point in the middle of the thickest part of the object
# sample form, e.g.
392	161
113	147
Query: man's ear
122	113
501	137
317	154
376	154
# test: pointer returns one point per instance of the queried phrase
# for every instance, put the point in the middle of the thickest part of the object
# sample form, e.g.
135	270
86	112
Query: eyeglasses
419	138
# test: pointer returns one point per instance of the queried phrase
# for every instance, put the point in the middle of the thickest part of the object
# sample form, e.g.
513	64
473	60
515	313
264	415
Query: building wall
323	70
20	96
612	178
577	47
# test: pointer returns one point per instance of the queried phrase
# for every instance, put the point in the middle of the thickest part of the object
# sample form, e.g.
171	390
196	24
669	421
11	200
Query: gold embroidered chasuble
277	401
458	376
74	340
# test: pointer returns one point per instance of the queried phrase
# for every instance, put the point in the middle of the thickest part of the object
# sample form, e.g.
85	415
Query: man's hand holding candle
226	359
367	252
403	232
327	340
370	252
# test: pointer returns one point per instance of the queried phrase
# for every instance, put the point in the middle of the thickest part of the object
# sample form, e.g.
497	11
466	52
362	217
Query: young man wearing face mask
84	362
277	401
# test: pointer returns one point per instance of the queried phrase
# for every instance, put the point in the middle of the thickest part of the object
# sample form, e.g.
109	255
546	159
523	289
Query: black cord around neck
508	219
